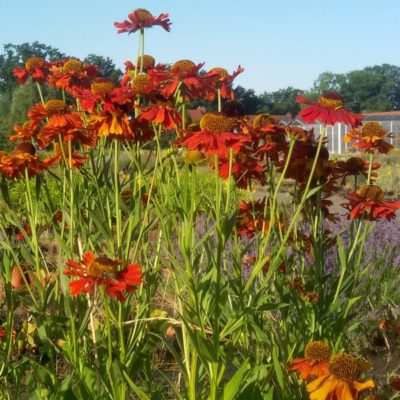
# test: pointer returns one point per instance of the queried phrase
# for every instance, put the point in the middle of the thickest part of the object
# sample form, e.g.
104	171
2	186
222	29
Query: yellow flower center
371	128
262	120
73	65
331	100
222	72
217	122
143	15
148	61
194	156
103	87
317	351
371	192
55	106
102	268
141	82
32	62
344	366
182	66
25	147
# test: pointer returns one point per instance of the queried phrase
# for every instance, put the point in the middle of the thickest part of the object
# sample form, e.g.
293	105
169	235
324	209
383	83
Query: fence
337	132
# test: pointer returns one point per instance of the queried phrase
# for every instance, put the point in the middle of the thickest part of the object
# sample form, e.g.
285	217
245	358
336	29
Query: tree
371	89
280	102
248	98
106	67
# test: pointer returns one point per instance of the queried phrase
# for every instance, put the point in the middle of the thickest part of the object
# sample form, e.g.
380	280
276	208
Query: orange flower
163	113
370	138
73	76
56	114
369	202
35	67
115	123
329	109
315	362
102	271
141	19
340	383
23	158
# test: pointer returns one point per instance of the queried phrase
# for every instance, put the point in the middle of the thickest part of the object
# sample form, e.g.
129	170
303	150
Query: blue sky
279	43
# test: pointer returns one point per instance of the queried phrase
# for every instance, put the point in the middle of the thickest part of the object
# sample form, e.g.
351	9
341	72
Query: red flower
216	136
245	168
102	271
35	67
220	79
355	166
329	109
140	19
184	73
369	202
370	138
163	113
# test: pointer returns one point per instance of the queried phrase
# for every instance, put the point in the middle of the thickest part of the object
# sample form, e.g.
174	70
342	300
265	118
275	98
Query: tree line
370	89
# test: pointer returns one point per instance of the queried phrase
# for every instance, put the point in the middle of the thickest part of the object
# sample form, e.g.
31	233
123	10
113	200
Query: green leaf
232	388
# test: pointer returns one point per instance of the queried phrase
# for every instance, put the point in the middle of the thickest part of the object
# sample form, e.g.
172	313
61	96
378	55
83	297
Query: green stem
116	193
40	93
371	156
219	99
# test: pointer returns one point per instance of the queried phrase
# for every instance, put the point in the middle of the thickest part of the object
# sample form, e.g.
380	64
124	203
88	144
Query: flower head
370	138
340	383
369	202
141	19
315	361
102	271
329	109
35	67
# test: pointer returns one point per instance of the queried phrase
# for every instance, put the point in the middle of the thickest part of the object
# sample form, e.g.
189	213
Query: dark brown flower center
331	100
233	108
354	163
317	351
55	106
73	65
182	66
33	62
148	61
217	123
103	87
143	15
262	120
371	192
371	128
102	268
141	82
344	366
25	147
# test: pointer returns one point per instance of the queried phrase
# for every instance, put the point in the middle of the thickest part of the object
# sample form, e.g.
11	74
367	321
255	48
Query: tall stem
116	193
